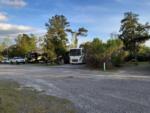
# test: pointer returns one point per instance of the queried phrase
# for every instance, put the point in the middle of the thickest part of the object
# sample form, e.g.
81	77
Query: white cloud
11	29
13	3
3	16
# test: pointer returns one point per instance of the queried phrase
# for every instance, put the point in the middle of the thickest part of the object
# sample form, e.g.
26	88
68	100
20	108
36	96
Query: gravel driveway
124	91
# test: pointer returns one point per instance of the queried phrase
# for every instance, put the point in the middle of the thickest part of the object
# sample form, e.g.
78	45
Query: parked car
5	61
17	60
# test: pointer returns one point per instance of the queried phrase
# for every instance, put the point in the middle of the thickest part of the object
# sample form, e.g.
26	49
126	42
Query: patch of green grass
14	99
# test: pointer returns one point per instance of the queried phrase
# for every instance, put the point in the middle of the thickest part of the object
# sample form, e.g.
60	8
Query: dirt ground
124	91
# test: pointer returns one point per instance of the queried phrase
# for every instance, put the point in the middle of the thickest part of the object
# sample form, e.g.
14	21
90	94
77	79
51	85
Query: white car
5	61
17	60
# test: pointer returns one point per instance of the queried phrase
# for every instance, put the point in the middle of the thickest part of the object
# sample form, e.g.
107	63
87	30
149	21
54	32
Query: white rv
76	56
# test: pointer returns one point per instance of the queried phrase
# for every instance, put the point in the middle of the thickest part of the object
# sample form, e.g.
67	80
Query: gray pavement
123	91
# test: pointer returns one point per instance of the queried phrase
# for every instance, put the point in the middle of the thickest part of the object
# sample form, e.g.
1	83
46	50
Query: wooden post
104	66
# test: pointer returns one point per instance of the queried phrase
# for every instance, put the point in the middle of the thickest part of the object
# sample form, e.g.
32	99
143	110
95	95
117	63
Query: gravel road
124	91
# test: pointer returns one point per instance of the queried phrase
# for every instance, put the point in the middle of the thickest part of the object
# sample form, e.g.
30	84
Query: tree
14	51
49	49
5	45
1	51
133	33
25	44
98	52
6	42
81	32
55	42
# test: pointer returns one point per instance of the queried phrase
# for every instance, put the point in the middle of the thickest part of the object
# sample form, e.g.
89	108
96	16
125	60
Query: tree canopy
56	38
81	32
24	44
133	33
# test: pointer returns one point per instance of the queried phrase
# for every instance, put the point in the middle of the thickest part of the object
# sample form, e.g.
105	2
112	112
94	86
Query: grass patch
14	99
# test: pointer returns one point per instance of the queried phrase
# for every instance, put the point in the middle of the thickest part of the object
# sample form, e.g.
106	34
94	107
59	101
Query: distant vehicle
77	56
5	61
17	60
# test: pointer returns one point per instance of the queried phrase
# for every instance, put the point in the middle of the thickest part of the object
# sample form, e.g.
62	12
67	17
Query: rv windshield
75	52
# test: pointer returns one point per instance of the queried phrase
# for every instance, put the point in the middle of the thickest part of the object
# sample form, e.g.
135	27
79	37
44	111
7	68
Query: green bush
94	51
119	57
143	53
98	52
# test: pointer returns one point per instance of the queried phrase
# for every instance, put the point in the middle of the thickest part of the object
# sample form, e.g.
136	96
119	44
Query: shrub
98	52
119	58
143	54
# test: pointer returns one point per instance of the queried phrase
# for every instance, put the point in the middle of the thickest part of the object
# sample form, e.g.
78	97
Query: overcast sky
100	17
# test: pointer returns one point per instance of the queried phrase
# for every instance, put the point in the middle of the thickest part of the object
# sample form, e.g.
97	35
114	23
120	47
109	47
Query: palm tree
81	32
